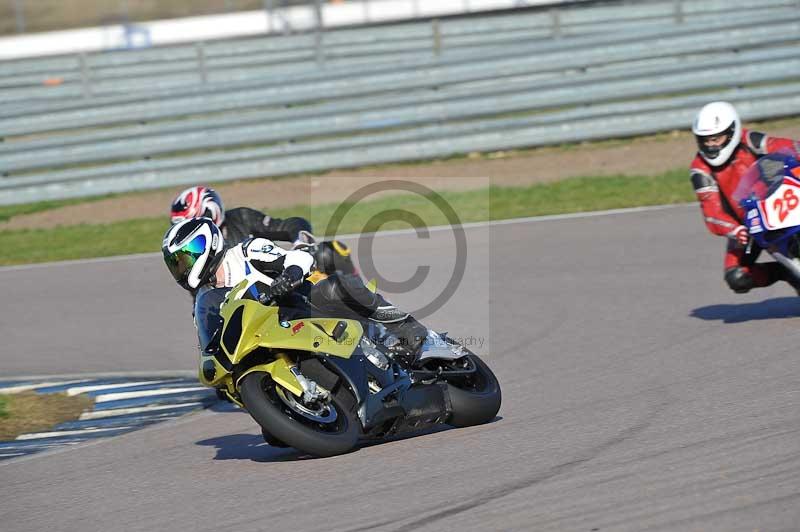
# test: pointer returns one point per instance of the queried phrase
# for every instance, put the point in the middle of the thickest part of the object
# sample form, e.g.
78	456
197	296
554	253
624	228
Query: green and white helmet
193	249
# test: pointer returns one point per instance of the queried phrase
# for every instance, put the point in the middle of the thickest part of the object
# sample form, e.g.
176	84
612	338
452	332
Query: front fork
285	373
793	265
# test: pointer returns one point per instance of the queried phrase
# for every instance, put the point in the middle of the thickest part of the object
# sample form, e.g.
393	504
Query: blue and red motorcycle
769	194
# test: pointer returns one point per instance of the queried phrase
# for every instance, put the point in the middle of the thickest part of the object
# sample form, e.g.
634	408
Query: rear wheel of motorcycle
475	400
260	395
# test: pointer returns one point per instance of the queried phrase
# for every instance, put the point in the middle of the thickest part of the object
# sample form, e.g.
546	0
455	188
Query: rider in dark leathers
242	223
236	224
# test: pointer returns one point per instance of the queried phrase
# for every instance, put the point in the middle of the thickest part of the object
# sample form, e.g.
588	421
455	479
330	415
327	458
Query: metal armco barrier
265	108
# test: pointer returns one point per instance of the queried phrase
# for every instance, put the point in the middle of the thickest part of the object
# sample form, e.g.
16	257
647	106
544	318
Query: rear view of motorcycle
320	384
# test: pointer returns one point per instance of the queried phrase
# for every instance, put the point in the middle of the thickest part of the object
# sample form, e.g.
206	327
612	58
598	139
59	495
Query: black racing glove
287	281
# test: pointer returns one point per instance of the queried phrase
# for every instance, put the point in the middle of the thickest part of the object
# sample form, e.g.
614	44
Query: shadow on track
252	446
769	309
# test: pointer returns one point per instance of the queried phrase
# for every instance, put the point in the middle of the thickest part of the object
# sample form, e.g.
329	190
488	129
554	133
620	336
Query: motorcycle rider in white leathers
195	254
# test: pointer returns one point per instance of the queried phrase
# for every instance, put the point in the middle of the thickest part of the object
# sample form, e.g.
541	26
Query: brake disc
322	414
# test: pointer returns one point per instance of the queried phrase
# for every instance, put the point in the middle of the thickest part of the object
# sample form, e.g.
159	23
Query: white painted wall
245	23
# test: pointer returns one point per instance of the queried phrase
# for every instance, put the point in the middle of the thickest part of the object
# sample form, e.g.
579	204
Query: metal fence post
415	8
319	53
366	11
679	11
124	10
556	16
437	36
19	15
269	7
201	62
86	81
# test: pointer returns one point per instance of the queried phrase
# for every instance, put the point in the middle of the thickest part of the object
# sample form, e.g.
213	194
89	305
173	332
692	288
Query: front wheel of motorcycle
475	400
321	430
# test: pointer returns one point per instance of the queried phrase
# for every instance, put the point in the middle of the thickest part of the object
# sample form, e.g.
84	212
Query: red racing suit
715	186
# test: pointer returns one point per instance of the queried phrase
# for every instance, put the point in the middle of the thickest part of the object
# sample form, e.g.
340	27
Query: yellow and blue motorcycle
321	384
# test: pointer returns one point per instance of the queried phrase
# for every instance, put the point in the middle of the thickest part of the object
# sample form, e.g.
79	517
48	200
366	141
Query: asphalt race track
639	393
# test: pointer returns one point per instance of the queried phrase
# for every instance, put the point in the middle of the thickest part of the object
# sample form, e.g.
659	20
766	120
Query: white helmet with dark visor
717	129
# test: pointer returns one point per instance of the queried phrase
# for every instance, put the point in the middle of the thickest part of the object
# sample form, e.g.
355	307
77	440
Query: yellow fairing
217	376
280	372
260	328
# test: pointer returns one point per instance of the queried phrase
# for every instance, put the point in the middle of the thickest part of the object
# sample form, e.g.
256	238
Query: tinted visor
181	262
712	151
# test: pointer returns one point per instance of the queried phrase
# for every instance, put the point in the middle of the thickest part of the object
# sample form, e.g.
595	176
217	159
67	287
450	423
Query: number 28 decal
786	204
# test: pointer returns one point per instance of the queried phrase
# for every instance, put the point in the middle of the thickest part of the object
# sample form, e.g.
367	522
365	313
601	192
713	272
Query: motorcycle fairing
754	220
212	373
769	194
280	371
773	211
249	325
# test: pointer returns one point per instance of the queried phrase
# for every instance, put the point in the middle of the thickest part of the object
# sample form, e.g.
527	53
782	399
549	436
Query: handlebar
265	298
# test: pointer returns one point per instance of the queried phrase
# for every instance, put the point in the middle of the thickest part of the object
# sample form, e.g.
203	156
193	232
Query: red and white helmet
197	202
717	118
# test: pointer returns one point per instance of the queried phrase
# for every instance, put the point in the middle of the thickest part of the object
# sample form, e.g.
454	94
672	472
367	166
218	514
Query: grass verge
9	211
31	412
494	203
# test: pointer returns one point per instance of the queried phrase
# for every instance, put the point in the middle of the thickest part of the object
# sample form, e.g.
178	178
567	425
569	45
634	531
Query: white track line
531	219
145	393
100	414
162	374
56	434
115	258
28	387
97	387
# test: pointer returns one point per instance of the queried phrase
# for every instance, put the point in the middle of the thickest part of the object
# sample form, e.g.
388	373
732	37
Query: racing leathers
242	223
714	187
261	261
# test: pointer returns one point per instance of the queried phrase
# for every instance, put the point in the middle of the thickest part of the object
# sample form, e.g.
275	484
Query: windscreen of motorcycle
765	175
207	319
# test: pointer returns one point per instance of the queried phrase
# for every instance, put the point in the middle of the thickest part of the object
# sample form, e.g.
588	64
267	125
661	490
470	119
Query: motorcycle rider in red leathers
725	152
